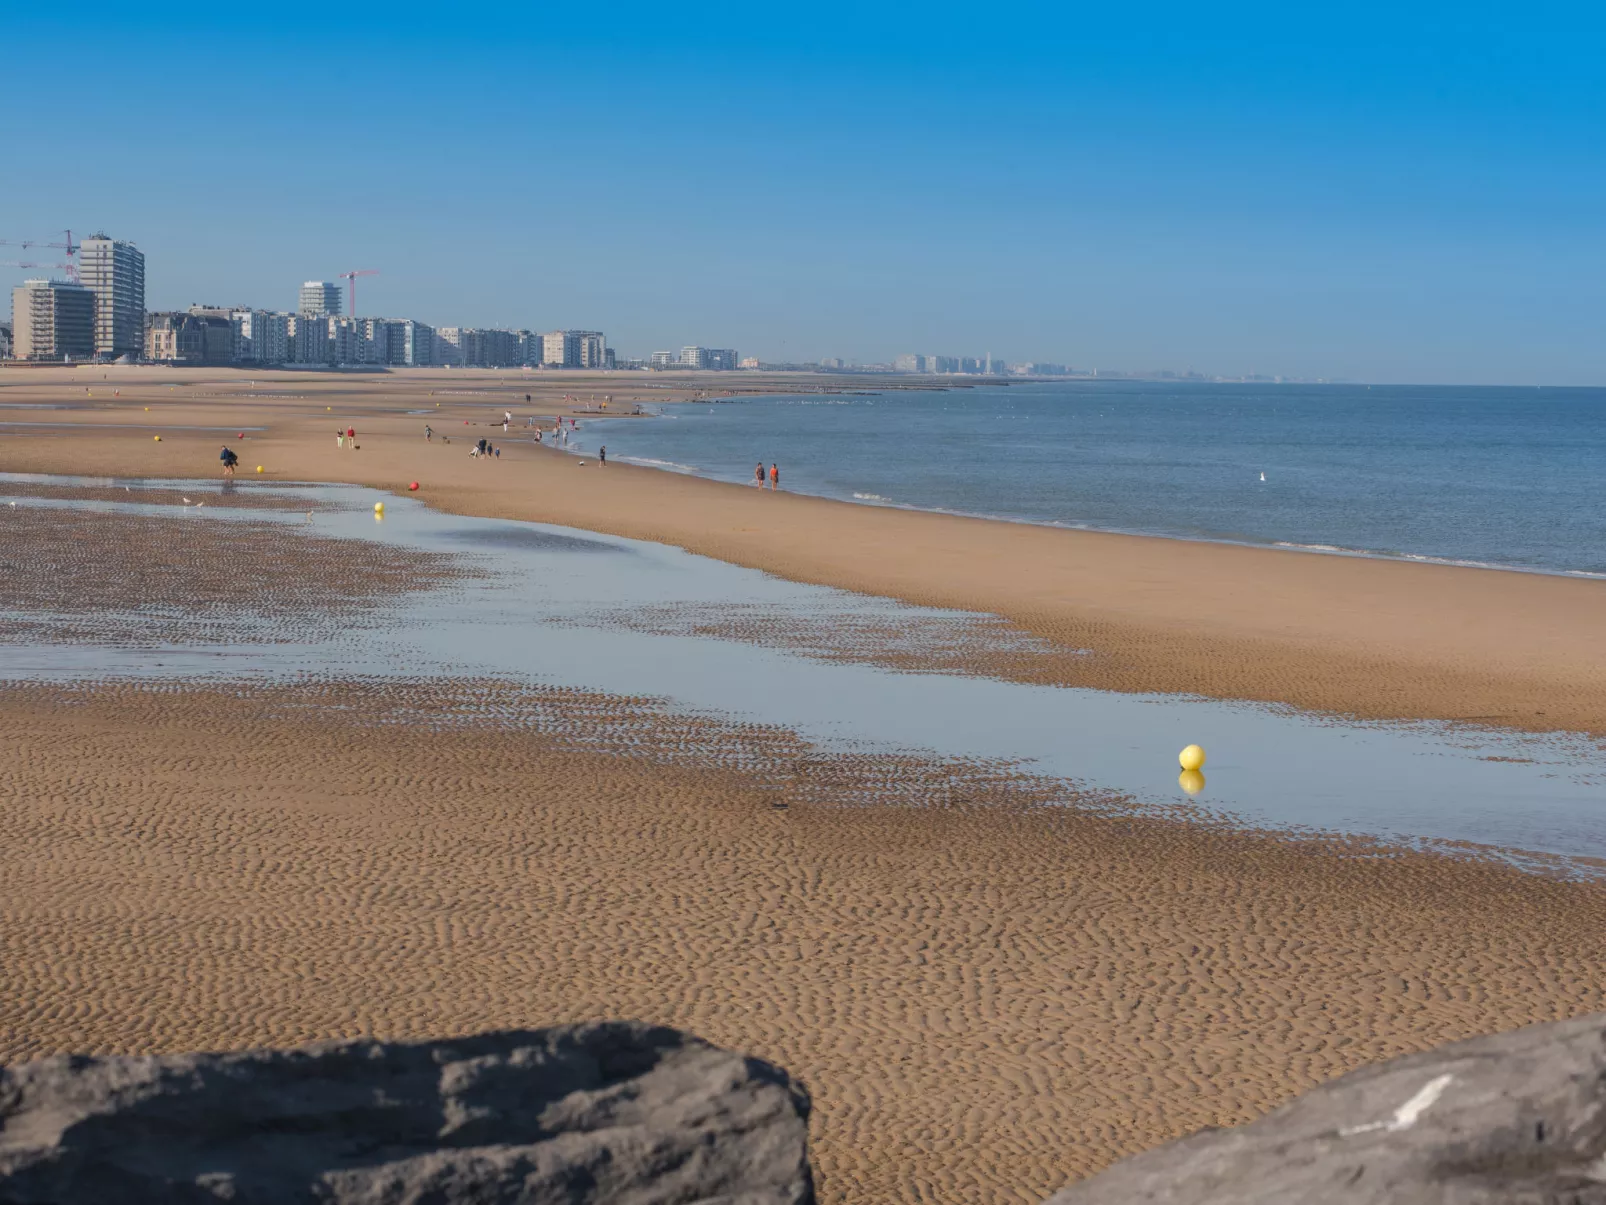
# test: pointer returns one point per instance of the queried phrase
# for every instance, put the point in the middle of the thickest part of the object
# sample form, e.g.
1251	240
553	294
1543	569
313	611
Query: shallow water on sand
555	606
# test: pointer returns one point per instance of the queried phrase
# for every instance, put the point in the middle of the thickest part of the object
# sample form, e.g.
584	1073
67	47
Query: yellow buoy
379	508
1191	782
259	468
1192	758
157	438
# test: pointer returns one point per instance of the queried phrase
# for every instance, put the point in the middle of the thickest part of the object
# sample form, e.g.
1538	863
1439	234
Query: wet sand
1371	638
986	996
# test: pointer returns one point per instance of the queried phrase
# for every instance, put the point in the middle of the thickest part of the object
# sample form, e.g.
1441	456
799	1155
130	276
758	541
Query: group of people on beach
774	476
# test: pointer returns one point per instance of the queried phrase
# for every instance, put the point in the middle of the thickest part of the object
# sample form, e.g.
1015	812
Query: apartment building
199	336
261	336
52	320
319	298
114	271
412	344
560	349
309	339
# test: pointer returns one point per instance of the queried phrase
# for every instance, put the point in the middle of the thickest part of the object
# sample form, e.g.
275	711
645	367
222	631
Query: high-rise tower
319	299
114	271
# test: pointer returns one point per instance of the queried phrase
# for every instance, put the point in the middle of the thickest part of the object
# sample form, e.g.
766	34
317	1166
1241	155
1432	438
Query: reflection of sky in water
543	615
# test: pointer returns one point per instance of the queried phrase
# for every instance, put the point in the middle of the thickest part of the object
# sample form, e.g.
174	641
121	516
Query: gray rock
1516	1118
616	1112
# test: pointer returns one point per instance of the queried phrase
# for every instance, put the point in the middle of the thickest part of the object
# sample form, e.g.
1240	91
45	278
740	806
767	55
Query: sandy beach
1368	637
986	996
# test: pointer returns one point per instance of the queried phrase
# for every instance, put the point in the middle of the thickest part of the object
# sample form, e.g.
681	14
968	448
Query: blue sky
1375	192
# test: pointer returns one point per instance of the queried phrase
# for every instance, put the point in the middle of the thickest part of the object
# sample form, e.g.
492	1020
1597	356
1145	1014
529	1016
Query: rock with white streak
1518	1119
613	1112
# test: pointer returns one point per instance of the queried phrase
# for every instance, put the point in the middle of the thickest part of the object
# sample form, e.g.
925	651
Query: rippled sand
986	998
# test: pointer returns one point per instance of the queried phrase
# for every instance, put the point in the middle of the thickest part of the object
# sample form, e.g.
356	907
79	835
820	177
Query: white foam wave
871	498
652	463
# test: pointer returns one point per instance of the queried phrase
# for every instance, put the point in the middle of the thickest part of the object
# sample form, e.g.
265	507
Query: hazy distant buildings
412	344
663	359
575	349
593	349
319	297
748	362
52	320
114	271
309	339
560	349
5	341
261	337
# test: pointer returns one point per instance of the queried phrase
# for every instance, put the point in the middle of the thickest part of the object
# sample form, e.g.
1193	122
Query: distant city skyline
1409	193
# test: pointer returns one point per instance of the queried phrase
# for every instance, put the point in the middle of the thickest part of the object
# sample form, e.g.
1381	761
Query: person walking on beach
429	433
229	460
758	475
602	456
775	477
351	436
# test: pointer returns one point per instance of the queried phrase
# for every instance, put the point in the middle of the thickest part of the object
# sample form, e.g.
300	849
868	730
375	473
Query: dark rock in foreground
1520	1117
616	1112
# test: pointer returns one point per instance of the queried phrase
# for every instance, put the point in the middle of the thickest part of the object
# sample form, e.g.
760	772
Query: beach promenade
987	997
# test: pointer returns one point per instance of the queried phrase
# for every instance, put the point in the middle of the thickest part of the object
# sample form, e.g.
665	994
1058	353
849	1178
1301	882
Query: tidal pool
557	606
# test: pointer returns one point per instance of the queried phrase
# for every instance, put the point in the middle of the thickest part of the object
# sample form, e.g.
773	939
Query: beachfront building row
973	365
720	359
266	337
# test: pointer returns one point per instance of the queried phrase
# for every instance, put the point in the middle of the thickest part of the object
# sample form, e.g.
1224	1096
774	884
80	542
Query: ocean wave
871	498
651	463
1325	548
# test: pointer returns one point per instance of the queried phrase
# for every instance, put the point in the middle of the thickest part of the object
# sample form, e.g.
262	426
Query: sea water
1510	477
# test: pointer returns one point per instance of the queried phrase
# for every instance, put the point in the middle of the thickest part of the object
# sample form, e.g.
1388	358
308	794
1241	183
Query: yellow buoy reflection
1192	758
1191	781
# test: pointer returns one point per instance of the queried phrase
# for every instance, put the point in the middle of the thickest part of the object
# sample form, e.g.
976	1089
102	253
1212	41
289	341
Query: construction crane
70	247
352	277
23	263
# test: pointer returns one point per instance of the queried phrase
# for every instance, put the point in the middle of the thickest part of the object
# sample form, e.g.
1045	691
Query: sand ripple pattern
134	580
987	998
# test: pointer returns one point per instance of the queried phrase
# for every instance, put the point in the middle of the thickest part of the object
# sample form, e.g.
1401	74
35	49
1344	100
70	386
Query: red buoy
413	486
